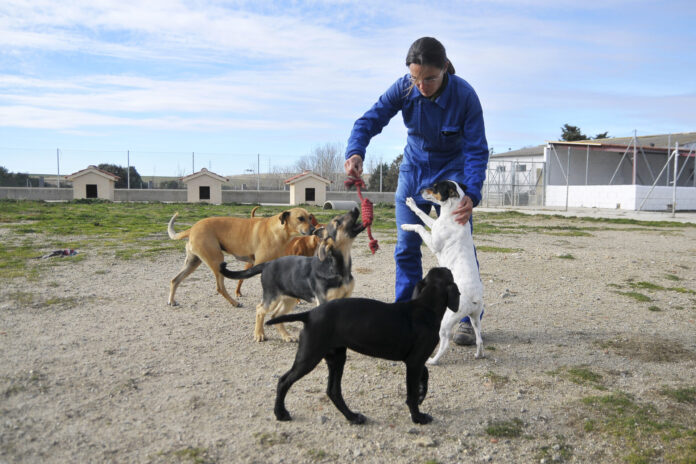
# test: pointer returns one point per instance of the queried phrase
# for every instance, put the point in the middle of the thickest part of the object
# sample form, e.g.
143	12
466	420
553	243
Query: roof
206	173
306	175
526	151
656	143
91	169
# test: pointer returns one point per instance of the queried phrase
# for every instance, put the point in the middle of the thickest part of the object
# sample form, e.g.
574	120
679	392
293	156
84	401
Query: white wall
626	197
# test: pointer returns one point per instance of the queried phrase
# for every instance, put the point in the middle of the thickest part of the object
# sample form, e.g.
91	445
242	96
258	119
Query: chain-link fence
514	183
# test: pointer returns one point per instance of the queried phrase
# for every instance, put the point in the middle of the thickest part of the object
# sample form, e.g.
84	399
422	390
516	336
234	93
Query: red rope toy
365	207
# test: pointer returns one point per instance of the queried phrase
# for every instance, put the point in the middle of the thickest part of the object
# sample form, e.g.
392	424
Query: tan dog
254	240
305	245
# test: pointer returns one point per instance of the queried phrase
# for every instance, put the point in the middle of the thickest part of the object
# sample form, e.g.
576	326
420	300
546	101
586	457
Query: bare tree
327	161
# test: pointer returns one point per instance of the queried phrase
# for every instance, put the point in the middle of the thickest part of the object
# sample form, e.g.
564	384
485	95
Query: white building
307	188
204	187
93	183
631	173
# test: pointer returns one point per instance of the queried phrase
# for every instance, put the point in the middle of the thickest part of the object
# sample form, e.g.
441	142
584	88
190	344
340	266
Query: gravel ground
97	368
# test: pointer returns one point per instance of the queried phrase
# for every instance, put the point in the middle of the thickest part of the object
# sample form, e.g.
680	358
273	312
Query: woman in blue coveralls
446	140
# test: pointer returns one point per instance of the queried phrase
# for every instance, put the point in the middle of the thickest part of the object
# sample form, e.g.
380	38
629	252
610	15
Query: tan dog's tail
253	211
172	234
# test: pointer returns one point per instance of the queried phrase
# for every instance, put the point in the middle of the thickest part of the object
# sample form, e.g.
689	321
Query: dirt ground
97	368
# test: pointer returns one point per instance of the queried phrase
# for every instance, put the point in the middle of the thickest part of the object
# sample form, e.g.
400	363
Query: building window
309	194
92	191
204	193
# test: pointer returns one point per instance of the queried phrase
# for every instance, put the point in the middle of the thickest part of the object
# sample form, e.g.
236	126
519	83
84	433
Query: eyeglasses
427	80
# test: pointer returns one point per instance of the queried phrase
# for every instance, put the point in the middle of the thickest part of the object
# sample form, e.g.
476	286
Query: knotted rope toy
366	209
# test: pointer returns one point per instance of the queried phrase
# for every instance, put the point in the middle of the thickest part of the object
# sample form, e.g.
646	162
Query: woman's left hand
463	212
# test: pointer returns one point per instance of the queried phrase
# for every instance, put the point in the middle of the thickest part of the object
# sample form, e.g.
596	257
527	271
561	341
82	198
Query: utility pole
676	174
58	163
128	170
193	156
258	171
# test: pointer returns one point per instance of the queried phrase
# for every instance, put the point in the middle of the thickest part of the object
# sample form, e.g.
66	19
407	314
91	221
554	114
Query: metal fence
513	183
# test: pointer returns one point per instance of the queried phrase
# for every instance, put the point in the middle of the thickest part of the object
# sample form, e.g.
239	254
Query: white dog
453	246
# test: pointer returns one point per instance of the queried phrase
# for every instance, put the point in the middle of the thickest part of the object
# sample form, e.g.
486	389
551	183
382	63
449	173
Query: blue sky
237	81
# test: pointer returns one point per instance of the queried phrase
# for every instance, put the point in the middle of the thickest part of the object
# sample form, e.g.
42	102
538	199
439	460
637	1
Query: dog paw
260	337
422	418
480	355
282	415
289	339
432	361
358	419
409	227
411	203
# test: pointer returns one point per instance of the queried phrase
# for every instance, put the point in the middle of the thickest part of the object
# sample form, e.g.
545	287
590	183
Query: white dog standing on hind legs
453	245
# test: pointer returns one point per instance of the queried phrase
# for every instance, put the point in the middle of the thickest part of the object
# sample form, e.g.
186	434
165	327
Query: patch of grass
268	439
646	285
21	299
571	233
496	380
317	455
682	290
582	375
636	296
649	350
505	429
558	452
69	301
566	256
654	308
636	427
24	382
492	249
189	454
672	277
681	395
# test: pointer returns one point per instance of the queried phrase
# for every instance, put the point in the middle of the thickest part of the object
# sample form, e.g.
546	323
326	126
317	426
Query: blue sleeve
475	149
373	121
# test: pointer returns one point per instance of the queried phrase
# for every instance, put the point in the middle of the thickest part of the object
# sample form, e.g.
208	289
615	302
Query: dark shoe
464	335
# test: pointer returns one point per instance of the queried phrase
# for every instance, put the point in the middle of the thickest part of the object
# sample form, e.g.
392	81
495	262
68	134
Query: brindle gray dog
324	276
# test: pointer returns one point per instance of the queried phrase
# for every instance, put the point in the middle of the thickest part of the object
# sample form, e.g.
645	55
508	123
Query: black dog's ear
284	217
453	297
418	289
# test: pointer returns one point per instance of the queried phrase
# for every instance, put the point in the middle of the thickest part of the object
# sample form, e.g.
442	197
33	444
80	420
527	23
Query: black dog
406	331
324	276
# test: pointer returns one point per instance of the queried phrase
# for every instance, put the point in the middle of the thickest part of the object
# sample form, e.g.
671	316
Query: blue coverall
446	140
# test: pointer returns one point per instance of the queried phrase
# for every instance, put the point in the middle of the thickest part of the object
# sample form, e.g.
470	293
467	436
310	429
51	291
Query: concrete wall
375	197
39	194
625	197
151	195
281	197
